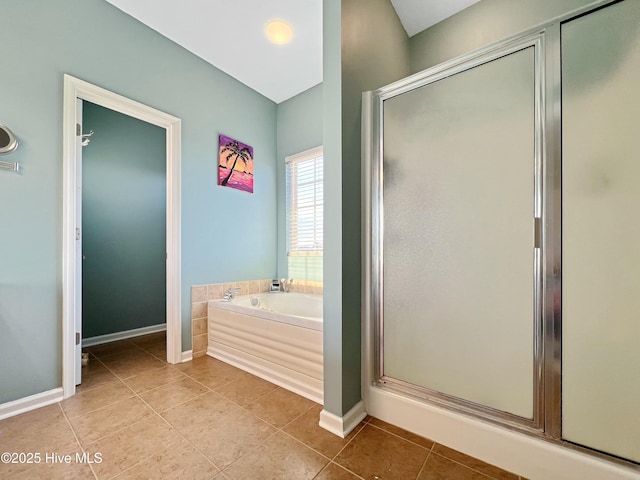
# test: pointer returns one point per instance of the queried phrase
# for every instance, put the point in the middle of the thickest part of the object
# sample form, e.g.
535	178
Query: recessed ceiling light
279	31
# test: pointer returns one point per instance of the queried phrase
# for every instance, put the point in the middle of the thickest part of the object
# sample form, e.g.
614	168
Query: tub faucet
230	293
286	284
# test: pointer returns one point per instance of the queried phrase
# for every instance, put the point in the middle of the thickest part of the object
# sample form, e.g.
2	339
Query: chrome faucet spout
230	294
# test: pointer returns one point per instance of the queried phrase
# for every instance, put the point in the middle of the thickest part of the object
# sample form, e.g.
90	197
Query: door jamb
76	88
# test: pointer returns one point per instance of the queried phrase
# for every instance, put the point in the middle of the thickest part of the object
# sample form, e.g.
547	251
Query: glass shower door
459	267
601	230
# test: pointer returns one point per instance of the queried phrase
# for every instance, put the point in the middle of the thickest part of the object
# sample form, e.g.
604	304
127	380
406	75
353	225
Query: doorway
123	226
76	91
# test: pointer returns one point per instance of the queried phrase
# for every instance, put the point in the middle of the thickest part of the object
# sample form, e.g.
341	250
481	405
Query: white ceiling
230	35
416	15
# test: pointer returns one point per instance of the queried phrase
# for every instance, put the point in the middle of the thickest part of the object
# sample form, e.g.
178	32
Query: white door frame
75	88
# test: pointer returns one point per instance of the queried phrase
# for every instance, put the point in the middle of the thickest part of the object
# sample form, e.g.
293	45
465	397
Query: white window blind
305	202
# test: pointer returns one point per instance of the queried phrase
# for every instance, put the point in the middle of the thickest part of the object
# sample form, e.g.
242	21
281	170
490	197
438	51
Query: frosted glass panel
458	235
601	230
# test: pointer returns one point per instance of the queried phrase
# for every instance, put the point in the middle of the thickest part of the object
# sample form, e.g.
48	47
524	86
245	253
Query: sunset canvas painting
235	164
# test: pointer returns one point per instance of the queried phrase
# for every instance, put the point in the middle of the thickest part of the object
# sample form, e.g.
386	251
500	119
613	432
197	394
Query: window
304	214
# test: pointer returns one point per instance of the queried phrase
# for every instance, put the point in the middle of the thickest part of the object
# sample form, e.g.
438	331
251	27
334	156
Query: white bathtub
276	336
298	309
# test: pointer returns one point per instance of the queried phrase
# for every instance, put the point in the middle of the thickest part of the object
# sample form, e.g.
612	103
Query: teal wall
332	248
373	52
299	128
482	24
227	235
123	223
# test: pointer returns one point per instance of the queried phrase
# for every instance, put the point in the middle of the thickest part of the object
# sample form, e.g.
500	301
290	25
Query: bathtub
276	336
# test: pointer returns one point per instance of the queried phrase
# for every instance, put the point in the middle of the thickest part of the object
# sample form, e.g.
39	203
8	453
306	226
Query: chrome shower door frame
375	230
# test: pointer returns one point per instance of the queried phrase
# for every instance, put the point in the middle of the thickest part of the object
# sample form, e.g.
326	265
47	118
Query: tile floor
137	417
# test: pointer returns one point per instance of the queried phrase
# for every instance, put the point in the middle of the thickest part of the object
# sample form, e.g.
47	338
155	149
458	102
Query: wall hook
85	138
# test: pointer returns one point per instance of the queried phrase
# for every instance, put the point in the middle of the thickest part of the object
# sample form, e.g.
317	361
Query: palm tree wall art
235	164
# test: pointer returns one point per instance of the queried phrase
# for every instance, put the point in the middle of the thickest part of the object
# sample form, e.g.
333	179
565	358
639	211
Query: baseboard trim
22	405
342	426
187	356
114	337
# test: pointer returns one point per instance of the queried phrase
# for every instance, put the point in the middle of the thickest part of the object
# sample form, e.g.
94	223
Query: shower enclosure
504	234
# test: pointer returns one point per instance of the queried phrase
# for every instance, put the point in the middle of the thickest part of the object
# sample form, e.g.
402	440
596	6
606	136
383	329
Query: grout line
177	432
133	394
305	445
112	354
96	359
469	467
322	470
242	409
120	429
160	412
295	418
348	442
175	380
403	438
252	449
173	428
348	470
73	432
424	464
191	443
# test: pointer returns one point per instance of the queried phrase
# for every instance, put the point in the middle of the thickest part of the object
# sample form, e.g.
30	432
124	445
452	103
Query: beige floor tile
108	420
40	462
197	413
280	406
440	468
85	402
57	471
124	357
150	339
105	350
158	351
175	463
138	443
224	439
168	396
125	365
412	437
474	463
205	364
246	390
154	378
95	375
374	453
336	472
133	444
279	457
211	372
42	430
306	429
13	429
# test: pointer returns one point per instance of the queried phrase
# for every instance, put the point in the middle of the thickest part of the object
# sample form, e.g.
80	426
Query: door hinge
77	234
78	129
77	338
537	232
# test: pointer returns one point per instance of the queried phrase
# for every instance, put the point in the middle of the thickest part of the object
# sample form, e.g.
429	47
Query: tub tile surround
201	294
191	420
